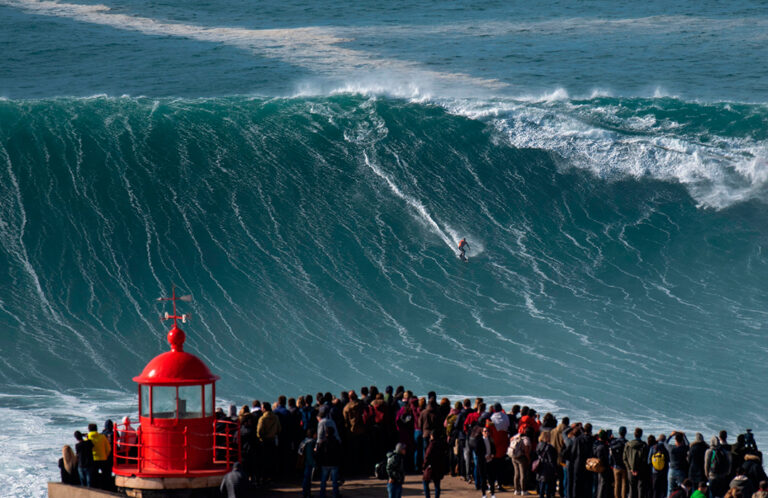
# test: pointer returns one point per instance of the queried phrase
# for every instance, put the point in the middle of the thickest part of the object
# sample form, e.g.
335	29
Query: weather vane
175	316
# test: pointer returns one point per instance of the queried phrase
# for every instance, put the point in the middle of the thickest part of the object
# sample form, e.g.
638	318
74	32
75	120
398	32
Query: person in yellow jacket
101	454
267	430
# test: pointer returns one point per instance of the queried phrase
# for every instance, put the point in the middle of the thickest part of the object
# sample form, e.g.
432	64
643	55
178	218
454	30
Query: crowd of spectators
400	434
395	434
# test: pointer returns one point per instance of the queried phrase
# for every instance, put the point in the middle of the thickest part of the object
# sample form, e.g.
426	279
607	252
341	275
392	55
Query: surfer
463	246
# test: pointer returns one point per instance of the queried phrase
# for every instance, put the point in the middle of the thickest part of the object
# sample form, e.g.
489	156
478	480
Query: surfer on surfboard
463	246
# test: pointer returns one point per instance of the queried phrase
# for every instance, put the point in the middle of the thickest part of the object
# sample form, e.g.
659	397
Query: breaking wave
617	247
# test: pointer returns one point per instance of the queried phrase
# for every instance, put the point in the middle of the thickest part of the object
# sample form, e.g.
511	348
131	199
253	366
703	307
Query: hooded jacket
235	483
101	447
528	421
636	456
753	469
396	465
380	412
430	420
268	427
500	421
353	418
709	469
742	483
471	421
109	431
556	438
322	429
129	434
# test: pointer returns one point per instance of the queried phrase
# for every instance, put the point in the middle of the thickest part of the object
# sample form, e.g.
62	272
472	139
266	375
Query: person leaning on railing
127	440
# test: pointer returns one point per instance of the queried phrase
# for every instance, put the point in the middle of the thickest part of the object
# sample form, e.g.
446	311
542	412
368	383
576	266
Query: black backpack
718	464
617	452
546	467
475	437
380	470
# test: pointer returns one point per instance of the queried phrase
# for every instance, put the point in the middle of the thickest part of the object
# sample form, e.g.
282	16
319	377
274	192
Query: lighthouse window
210	403
164	401
190	402
144	400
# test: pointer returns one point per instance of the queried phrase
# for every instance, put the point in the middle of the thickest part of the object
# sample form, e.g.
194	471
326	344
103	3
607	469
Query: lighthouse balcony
199	448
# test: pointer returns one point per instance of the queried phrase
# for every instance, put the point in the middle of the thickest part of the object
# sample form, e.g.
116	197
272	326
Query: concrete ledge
59	490
155	483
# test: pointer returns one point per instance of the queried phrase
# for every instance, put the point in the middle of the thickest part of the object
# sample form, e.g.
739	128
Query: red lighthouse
176	444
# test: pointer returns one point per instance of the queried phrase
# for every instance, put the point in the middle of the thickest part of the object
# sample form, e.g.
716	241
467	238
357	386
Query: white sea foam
38	422
318	48
718	174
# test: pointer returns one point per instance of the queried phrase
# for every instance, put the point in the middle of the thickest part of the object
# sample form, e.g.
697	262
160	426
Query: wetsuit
463	245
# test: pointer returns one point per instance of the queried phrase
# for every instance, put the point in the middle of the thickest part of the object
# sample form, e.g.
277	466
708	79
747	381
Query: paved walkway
375	488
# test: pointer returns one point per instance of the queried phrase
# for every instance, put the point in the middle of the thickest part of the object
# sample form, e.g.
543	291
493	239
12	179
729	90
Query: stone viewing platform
371	487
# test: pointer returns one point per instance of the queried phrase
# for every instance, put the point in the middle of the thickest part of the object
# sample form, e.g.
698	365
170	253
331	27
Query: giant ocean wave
617	247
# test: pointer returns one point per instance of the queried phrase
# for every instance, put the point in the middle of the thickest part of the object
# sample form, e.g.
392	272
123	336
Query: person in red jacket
463	246
496	465
473	417
529	419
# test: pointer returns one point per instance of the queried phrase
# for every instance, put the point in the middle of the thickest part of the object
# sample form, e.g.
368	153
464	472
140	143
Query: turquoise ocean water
305	171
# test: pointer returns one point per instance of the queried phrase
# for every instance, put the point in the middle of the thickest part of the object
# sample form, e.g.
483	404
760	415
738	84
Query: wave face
617	248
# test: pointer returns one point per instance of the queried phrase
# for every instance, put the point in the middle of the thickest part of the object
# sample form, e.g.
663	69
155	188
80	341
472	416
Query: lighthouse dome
175	367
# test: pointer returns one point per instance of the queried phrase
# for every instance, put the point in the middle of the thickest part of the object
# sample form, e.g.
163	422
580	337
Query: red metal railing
224	445
186	453
122	443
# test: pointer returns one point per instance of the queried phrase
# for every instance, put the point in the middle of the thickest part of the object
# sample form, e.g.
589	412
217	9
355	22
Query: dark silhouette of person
463	246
